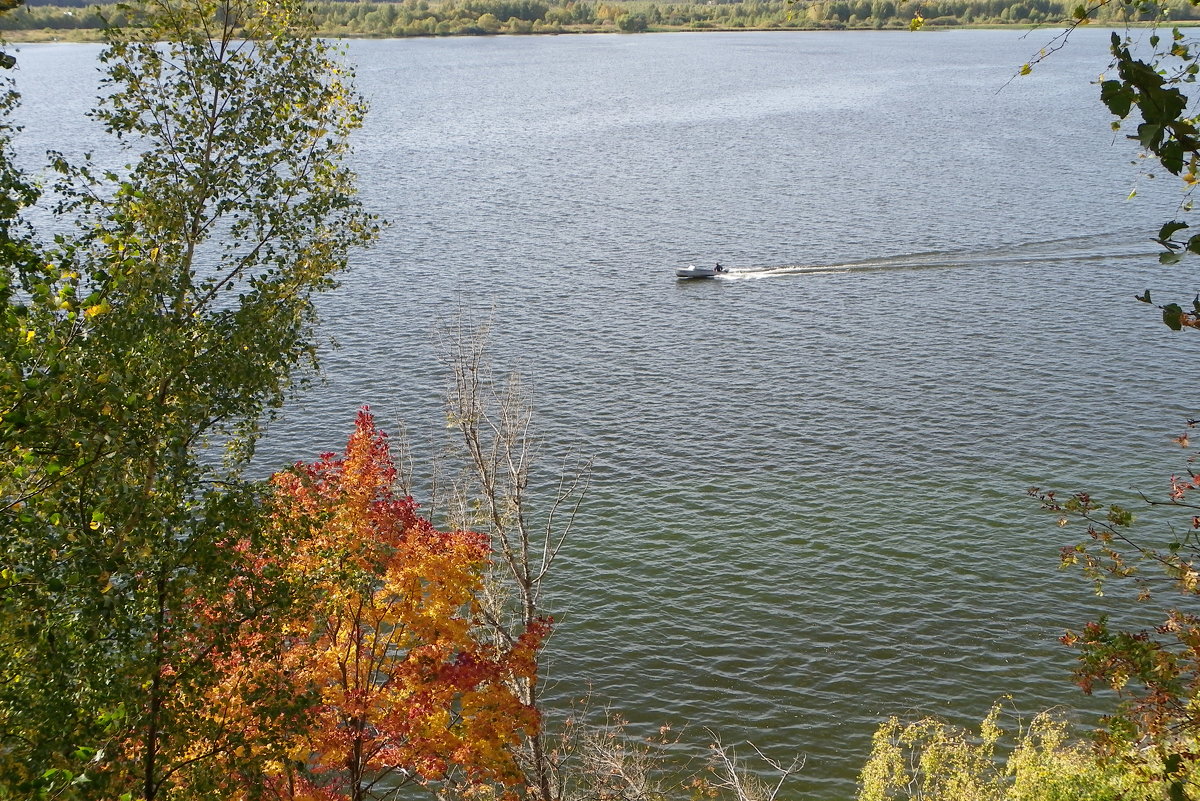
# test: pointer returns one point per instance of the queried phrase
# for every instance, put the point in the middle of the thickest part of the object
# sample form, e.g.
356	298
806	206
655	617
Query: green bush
933	761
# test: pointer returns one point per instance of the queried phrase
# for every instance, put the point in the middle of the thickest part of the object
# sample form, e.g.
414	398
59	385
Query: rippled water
808	505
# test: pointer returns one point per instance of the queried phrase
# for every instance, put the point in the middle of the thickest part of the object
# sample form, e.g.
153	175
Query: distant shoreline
403	19
93	35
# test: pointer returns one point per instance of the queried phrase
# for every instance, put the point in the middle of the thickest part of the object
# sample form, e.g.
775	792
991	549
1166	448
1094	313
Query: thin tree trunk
154	711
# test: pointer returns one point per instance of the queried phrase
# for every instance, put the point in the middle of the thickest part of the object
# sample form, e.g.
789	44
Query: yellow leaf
98	309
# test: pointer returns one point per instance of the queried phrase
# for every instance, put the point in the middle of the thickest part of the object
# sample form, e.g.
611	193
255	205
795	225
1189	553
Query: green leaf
1173	316
1117	97
1149	135
1171	156
1169	229
1144	298
1119	516
1169	258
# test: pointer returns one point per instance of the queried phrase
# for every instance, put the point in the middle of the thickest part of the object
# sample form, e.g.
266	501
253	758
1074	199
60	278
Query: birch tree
160	331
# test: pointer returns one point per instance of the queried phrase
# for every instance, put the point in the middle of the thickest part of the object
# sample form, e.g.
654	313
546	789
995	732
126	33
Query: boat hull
696	272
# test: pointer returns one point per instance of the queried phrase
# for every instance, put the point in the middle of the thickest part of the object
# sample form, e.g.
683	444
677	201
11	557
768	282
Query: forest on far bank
79	20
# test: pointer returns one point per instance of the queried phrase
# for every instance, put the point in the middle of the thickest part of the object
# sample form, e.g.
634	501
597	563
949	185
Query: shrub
933	761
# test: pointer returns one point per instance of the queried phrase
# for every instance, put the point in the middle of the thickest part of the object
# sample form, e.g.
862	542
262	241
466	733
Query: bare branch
494	423
735	777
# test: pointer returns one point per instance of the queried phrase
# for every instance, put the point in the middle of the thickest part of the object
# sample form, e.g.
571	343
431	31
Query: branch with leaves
1155	672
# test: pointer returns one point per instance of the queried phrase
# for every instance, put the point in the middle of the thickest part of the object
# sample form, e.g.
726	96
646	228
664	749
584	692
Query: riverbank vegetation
490	17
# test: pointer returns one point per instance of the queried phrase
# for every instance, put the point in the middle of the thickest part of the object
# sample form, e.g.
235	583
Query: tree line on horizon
488	17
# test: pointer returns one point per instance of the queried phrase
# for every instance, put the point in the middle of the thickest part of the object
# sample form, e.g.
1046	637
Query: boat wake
1108	247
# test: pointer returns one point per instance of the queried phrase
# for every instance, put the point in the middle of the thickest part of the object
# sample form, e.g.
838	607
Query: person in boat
720	269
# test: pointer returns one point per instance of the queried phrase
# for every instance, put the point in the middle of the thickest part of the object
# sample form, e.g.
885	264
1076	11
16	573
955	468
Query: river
807	509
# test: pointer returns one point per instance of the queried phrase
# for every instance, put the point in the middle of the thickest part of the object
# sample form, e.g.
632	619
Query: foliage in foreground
1155	671
170	314
1151	86
933	761
160	635
375	628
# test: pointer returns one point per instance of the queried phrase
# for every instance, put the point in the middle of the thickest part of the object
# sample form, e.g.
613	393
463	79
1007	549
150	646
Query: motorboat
692	271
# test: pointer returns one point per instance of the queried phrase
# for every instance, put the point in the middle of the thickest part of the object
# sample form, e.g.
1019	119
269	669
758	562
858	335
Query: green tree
633	23
167	323
933	761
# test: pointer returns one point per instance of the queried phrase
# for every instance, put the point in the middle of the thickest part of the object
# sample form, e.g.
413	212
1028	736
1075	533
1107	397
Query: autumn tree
172	313
366	665
411	687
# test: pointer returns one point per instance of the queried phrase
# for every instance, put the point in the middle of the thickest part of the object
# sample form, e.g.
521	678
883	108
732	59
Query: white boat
692	271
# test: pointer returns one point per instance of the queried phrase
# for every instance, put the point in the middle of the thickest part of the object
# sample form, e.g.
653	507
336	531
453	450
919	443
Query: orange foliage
381	641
